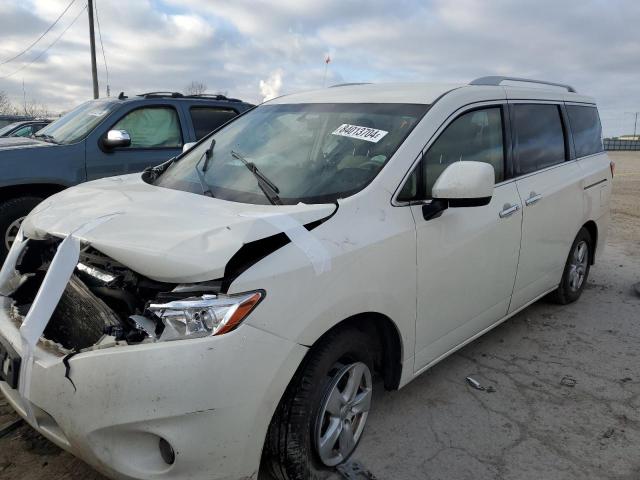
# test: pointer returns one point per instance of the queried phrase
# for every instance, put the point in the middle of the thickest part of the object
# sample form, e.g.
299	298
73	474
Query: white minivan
229	310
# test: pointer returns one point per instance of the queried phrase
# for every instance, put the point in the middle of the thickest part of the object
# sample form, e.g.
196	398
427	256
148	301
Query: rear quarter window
207	119
586	129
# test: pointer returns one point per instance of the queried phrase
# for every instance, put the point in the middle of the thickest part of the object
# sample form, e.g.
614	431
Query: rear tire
304	419
576	269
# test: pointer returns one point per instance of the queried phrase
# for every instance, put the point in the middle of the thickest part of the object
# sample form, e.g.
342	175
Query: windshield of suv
311	153
78	123
7	128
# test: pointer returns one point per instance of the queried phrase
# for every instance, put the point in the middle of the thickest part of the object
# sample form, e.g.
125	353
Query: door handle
532	199
509	210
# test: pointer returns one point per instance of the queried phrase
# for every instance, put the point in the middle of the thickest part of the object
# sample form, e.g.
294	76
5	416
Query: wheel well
386	342
42	190
592	228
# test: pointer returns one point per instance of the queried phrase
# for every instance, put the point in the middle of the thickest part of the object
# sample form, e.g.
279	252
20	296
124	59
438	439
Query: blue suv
101	138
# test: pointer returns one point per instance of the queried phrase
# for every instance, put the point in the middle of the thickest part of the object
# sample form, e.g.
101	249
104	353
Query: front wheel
576	269
12	213
322	415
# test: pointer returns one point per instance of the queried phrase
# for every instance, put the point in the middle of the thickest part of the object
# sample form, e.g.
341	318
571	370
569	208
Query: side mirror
462	184
187	146
116	139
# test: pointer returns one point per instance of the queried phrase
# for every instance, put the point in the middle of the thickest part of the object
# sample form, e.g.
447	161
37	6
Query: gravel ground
564	401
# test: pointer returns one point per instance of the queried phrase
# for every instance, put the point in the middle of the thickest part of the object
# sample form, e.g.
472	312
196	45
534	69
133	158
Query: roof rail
161	94
213	96
497	80
348	84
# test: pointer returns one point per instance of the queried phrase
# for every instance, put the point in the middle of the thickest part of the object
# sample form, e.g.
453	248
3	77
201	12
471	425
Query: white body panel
455	251
548	228
440	282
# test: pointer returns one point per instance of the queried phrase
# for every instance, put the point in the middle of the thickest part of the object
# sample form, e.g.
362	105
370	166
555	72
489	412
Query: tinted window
586	129
475	136
152	128
206	120
539	137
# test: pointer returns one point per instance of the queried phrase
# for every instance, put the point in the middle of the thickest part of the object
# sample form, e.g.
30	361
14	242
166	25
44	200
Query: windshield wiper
208	155
47	138
267	186
206	190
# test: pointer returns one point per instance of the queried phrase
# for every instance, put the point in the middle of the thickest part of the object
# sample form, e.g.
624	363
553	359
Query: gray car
101	138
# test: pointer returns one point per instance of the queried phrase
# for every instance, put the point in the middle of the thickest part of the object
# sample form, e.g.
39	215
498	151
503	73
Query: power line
40	37
104	57
46	49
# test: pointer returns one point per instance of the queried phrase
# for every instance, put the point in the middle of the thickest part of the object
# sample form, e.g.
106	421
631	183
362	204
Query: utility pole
635	124
92	41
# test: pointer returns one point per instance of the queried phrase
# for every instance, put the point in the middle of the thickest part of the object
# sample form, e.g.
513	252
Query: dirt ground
564	401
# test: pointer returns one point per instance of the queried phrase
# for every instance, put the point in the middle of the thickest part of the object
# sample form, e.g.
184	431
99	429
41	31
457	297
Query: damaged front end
105	303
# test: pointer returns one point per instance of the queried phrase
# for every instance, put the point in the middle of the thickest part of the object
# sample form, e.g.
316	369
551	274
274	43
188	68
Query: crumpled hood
166	235
22	142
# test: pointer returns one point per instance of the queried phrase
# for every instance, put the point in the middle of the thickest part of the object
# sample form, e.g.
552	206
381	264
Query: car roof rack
207	96
161	95
213	96
349	84
497	80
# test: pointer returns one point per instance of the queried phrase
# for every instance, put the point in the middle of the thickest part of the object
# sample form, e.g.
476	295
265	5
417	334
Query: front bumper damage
210	398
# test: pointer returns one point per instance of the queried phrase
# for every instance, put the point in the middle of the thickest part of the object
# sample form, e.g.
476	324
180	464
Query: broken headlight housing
204	315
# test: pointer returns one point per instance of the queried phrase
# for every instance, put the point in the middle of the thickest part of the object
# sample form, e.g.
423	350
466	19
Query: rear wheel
12	213
322	415
576	269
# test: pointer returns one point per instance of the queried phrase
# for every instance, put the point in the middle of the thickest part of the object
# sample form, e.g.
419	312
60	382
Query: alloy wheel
578	265
12	232
343	413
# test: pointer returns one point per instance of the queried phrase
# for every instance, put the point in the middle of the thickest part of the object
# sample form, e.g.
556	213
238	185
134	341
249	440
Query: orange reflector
241	312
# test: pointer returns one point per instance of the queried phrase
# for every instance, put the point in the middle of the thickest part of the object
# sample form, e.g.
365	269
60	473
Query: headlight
205	315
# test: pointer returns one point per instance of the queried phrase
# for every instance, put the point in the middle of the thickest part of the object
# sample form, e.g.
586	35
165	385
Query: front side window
78	123
474	136
153	127
539	137
24	131
207	119
586	129
312	153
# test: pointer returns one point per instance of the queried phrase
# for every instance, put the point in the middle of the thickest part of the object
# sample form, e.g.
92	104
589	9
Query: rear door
156	133
550	185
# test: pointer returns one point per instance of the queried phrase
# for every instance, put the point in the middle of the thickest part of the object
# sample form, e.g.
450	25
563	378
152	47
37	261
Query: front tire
12	212
576	269
321	417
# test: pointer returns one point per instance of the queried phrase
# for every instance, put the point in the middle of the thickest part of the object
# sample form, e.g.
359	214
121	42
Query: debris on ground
608	433
568	381
355	471
476	384
636	287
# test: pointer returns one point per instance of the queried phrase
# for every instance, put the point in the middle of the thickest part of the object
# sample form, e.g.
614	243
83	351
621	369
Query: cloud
270	88
240	46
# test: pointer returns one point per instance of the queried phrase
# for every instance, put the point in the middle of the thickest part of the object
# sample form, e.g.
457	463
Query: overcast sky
252	48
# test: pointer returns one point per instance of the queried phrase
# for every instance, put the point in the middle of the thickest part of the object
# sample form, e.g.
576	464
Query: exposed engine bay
103	301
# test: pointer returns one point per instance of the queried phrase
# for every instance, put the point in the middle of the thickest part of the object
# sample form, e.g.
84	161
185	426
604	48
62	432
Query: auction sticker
361	133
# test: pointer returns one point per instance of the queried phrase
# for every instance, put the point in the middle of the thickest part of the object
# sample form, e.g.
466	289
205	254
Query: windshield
310	153
7	128
78	123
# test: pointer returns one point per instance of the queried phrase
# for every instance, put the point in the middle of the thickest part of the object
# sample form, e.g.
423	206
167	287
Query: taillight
612	166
